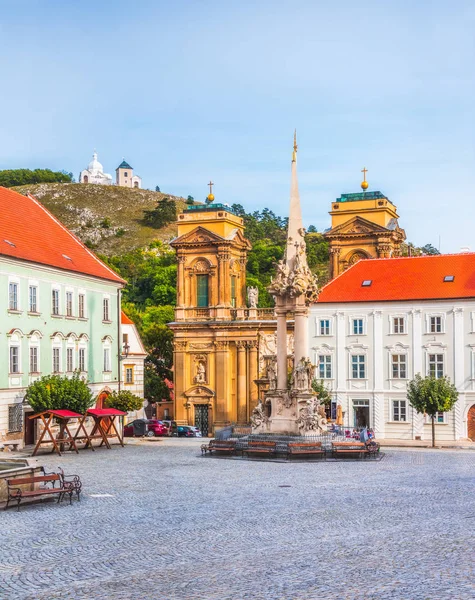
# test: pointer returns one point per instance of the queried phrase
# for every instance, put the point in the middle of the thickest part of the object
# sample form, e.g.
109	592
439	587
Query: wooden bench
256	447
297	448
60	485
228	446
348	448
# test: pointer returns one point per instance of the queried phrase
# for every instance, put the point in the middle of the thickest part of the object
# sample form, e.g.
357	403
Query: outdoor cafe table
104	426
63	416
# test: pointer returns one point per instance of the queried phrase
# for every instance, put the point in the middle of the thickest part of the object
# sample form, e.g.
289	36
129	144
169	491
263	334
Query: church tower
364	225
124	176
216	336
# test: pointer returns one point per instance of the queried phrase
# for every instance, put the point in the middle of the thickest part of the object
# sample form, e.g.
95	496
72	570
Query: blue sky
192	90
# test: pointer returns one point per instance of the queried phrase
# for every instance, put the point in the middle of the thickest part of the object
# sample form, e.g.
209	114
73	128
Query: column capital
241	345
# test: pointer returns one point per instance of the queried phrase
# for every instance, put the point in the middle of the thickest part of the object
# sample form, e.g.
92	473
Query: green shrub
124	400
53	392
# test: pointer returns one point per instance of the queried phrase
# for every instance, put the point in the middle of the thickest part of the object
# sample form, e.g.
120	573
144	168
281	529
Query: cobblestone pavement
158	522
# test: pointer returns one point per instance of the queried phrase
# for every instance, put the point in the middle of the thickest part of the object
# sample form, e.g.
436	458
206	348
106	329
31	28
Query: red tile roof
28	231
414	278
124	319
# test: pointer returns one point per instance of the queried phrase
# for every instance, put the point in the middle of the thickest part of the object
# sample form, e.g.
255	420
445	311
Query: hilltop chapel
124	174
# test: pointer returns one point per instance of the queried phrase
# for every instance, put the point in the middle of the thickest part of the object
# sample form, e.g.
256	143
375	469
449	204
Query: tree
190	200
430	395
157	189
14	177
322	392
162	215
124	400
53	392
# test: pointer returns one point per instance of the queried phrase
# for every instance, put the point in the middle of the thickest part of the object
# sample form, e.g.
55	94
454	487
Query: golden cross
210	186
364	170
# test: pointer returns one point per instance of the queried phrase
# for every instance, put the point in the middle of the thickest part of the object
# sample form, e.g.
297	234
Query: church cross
364	170
210	186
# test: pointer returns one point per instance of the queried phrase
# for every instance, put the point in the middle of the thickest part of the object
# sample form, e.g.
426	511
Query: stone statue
312	417
302	375
258	415
200	376
272	372
253	296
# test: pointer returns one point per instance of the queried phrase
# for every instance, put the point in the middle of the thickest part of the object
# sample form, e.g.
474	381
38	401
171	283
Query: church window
202	291
357	326
125	174
136	184
358	366
85	179
233	291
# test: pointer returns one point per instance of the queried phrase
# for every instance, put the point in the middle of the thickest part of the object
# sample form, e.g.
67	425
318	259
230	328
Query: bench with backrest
258	447
228	446
349	448
48	484
300	448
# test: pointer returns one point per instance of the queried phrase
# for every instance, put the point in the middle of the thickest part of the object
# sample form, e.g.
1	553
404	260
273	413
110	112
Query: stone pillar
301	331
253	375
222	384
179	362
181	281
334	265
221	281
281	313
241	382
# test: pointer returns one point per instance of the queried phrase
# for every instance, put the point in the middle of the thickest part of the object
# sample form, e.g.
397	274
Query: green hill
106	218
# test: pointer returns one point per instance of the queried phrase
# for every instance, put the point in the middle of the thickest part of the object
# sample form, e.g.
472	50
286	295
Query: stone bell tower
216	333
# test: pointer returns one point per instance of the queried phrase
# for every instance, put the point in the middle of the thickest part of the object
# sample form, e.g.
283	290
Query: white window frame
319	327
436	353
36	348
82	347
14	284
364	363
83	294
391	365
69	353
106	314
327	364
54	350
392	329
55	291
352	320
69	294
107	364
36	308
132	369
428	420
392	412
14	346
431	316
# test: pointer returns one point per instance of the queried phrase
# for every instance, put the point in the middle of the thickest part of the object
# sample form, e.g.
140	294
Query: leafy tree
156	390
157	189
430	395
408	249
323	392
312	229
14	177
53	392
124	400
162	215
190	200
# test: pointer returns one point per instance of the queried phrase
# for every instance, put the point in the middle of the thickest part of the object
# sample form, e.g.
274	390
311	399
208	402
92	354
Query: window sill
70	317
57	372
392	333
106	372
358	379
398	422
106	322
129	383
83	319
14	374
357	335
429	424
398	378
33	313
56	316
14	311
34	373
434	333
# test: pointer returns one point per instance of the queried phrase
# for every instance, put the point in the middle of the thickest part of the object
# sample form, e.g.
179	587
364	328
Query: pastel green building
59	310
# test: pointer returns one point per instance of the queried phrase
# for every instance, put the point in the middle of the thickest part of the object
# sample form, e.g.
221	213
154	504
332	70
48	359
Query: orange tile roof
28	231
411	278
124	319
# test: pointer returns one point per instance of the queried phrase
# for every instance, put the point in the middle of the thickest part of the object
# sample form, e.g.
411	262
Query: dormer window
449	278
367	283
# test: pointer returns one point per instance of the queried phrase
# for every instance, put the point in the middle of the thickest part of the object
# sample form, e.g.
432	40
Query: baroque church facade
363	225
124	174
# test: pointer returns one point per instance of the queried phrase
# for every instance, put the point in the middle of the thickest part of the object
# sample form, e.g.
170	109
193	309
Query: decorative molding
221	345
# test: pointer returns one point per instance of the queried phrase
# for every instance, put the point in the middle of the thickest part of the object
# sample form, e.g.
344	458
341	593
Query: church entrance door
471	423
202	418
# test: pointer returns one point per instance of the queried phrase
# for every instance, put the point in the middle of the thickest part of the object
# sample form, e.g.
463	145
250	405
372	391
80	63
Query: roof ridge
75	238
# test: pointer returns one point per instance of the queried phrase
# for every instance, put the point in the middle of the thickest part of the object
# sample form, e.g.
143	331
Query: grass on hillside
108	218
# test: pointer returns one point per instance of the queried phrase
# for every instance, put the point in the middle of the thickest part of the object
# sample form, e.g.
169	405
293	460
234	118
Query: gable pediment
356	226
199	391
199	235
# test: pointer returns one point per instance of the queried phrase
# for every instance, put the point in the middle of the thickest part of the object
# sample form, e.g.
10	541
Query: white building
124	176
382	321
133	358
95	173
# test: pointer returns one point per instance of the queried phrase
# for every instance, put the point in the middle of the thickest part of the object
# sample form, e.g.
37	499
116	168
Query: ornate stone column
181	280
281	313
301	331
222	383
334	258
253	375
221	278
179	362
241	382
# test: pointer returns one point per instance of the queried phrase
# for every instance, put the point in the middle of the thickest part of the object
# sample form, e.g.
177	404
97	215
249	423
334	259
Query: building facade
133	360
59	310
124	176
218	340
364	225
383	321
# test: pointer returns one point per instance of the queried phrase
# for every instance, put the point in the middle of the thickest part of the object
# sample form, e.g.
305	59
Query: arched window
136	184
85	179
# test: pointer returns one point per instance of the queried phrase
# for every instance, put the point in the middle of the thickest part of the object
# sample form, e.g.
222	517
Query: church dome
95	165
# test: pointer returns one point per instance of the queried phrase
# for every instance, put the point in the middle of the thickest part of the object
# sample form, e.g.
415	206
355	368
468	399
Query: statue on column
253	296
272	372
258	415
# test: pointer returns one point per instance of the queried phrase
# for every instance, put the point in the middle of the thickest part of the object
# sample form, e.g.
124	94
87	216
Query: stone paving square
158	521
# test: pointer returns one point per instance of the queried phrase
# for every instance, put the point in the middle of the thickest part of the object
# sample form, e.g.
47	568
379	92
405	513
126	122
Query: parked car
196	430
171	426
185	431
148	427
